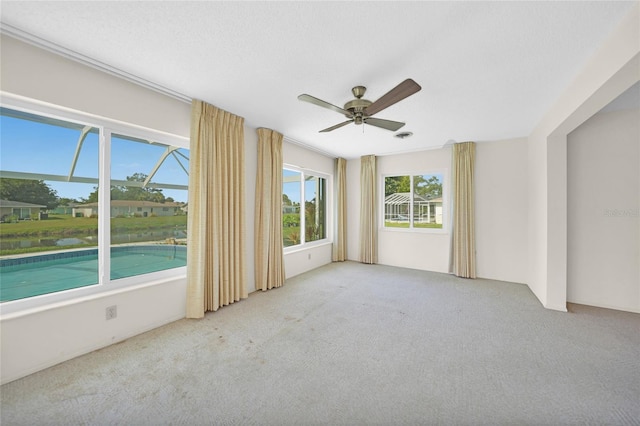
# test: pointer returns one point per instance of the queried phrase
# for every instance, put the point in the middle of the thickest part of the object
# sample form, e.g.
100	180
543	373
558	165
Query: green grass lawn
66	225
388	224
287	231
428	225
55	225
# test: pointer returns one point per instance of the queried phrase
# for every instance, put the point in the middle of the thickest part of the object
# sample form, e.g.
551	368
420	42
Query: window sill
443	231
307	246
24	307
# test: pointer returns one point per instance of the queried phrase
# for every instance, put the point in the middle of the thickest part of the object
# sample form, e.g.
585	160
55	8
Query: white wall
603	203
44	337
613	68
501	212
417	250
353	209
35	73
32	341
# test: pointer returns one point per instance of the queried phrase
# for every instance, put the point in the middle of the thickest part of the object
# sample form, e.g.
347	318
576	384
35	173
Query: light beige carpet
356	344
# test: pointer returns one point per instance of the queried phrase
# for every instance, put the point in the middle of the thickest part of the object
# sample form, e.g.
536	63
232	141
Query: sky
30	146
292	188
35	147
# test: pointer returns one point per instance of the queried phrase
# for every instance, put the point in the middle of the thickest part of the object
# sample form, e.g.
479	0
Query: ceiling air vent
404	135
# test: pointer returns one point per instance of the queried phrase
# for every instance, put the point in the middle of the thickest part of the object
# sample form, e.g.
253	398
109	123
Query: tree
92	198
64	201
396	184
314	227
28	191
132	193
290	220
142	194
116	194
428	188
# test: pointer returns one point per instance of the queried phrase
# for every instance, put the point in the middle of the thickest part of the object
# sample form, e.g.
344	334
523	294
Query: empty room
221	212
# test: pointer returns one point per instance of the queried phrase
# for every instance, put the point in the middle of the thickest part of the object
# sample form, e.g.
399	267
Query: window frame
445	202
106	127
328	215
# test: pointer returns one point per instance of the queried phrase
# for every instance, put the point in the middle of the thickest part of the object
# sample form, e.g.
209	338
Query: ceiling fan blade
320	102
398	93
337	126
384	124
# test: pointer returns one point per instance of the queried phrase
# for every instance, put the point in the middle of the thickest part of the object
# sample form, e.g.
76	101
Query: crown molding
308	147
18	34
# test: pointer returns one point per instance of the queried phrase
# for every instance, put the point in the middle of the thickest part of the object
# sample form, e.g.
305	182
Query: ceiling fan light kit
360	111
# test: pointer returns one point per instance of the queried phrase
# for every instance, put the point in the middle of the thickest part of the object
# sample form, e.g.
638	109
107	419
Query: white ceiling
488	70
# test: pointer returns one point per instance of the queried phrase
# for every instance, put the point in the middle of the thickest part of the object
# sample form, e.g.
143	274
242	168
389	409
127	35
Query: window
45	164
303	223
414	201
149	177
59	232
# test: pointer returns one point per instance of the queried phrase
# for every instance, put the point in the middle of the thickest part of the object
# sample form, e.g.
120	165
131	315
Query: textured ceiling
488	70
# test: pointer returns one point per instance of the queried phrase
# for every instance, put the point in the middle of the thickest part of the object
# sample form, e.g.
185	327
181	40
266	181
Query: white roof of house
7	203
133	203
405	197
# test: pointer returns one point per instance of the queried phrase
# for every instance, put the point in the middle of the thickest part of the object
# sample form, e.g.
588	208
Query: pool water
48	273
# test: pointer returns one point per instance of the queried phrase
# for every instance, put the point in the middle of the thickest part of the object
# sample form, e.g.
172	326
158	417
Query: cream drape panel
269	261
216	228
368	226
464	238
340	243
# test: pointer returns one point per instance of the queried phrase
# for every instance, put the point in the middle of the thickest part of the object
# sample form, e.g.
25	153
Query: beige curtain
269	260
464	238
368	226
340	241
215	257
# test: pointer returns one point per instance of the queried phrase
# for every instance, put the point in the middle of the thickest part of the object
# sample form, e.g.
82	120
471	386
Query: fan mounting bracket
358	91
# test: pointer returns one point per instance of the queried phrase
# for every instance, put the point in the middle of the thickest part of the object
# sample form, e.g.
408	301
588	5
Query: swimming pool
52	272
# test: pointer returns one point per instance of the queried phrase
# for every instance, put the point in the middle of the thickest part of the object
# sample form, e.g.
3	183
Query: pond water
91	240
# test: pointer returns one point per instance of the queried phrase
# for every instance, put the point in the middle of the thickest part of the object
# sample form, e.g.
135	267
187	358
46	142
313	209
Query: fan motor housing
357	105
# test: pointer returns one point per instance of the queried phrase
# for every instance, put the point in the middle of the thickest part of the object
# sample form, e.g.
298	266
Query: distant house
19	209
66	209
288	208
128	208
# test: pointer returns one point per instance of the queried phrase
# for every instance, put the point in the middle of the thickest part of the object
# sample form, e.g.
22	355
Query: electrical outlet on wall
111	312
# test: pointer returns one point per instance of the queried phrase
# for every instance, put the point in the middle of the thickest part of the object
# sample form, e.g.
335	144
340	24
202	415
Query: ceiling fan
360	110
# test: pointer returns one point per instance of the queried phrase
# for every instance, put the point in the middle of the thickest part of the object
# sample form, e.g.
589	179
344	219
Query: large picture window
148	206
414	201
59	231
303	207
46	165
